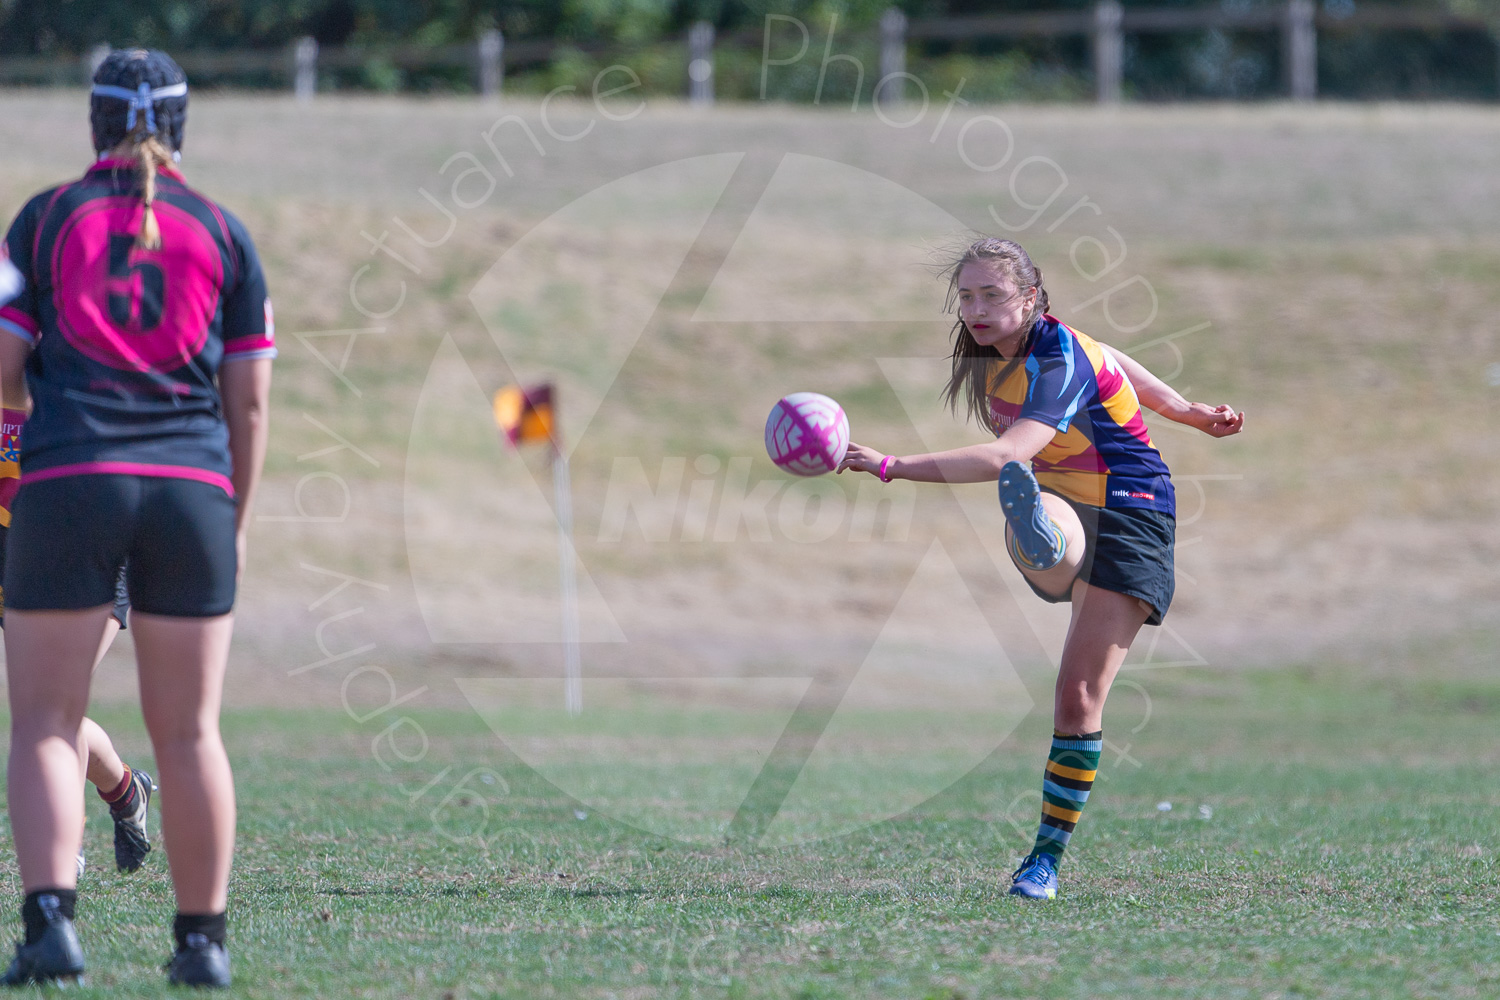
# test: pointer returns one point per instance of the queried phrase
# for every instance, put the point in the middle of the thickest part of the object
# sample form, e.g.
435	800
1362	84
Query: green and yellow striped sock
1066	782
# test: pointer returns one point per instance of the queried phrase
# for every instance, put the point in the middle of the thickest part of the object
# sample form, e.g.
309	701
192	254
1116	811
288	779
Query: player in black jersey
145	335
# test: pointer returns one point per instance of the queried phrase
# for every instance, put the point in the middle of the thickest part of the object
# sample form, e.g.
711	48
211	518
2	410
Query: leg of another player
105	769
181	664
50	657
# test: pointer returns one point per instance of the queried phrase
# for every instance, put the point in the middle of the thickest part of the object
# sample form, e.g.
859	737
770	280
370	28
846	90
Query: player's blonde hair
150	156
976	366
138	105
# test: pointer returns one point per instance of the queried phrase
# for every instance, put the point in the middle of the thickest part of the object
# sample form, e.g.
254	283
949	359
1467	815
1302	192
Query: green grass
1309	852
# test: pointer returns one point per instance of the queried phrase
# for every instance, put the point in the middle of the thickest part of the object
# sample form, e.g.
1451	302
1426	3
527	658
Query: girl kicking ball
1091	522
145	335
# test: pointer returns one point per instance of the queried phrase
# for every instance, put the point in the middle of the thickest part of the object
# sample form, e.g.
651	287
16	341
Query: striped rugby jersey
1101	453
10	460
11	285
127	342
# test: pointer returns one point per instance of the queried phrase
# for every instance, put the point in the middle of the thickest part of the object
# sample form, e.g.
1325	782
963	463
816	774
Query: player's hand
239	557
1217	421
861	459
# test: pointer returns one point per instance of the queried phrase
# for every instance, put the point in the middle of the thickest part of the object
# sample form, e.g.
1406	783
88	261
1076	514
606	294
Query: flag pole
562	496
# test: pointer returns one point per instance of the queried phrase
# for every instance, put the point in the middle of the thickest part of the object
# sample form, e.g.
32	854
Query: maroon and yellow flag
525	415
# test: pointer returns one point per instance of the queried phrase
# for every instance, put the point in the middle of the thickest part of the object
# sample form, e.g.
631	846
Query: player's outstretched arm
1154	394
978	463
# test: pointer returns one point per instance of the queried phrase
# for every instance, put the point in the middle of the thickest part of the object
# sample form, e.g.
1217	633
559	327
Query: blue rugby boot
1036	878
1036	541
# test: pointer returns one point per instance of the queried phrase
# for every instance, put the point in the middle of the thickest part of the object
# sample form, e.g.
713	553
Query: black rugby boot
199	962
54	957
132	842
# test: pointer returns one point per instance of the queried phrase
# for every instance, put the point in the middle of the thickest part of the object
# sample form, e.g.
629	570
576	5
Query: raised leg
104	768
1057	579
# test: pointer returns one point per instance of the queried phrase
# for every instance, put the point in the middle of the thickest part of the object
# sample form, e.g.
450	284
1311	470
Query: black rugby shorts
1129	551
122	596
69	538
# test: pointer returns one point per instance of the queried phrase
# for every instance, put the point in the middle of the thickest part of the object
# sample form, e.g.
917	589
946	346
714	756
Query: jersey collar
120	163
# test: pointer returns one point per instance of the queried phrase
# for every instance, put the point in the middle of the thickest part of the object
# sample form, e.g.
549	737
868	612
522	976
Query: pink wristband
885	463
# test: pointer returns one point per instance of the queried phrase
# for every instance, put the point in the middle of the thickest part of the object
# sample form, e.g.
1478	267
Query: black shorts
70	538
1129	551
122	596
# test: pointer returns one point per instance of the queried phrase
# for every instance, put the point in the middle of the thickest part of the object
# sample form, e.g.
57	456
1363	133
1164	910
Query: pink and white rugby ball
807	434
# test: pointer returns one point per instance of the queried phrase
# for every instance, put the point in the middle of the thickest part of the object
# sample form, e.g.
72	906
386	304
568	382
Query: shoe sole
61	979
1045	894
1019	499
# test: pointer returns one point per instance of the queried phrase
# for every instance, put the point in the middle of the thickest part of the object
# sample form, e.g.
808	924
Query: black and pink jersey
127	342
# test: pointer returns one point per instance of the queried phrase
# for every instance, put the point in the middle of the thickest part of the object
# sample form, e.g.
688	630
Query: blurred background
1005	50
1288	207
812	709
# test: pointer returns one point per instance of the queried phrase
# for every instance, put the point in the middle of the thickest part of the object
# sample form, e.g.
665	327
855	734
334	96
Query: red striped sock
119	797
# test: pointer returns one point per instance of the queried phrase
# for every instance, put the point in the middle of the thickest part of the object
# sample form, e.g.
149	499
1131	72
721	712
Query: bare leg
50	657
1104	625
181	662
1059	578
105	769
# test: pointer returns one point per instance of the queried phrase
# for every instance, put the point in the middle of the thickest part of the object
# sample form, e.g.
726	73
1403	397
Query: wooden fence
1298	22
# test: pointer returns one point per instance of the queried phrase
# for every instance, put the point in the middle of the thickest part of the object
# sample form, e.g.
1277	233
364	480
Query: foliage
1214	64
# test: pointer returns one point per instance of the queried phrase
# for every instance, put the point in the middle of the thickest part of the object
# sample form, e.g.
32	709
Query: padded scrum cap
134	85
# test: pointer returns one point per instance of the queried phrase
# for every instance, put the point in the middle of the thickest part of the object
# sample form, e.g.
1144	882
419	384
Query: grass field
814	762
1309	851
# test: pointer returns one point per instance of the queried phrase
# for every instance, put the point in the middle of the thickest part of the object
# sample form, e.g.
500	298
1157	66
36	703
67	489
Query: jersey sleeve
19	309
1059	382
249	328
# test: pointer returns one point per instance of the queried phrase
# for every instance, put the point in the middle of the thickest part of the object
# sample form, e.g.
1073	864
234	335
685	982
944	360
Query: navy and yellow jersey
127	342
1101	453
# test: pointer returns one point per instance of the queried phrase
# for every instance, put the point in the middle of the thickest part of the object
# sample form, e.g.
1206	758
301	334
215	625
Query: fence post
1109	51
491	64
1301	50
892	86
305	82
701	63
